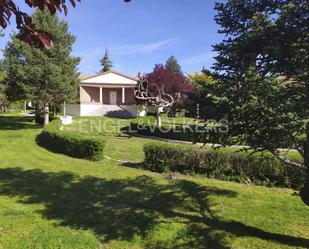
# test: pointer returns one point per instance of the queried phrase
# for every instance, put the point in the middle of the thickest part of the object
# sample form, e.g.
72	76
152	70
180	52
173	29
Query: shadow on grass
134	165
17	123
119	209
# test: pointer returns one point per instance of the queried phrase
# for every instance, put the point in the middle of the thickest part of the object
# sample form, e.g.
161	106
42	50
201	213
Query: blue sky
141	33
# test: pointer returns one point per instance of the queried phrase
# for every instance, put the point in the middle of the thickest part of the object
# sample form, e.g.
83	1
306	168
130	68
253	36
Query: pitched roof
109	77
84	76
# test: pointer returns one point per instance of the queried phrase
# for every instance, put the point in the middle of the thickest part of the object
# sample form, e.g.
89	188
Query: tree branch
141	92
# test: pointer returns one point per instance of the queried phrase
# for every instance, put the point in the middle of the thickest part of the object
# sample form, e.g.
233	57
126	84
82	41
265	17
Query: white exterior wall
72	109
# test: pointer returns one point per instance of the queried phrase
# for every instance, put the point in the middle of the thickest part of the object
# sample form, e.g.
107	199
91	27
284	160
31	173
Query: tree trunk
159	122
46	114
305	191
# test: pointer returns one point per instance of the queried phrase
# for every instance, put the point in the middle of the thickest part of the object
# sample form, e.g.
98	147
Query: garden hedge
72	144
237	167
189	133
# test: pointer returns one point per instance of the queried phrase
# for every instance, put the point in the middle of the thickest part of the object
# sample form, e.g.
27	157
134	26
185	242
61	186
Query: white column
123	95
101	95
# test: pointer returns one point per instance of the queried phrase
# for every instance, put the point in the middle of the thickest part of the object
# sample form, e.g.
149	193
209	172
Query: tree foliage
42	75
31	34
169	82
172	83
106	62
172	65
207	95
263	62
162	89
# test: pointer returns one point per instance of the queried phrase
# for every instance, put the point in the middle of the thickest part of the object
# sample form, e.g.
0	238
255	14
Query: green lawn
131	149
50	200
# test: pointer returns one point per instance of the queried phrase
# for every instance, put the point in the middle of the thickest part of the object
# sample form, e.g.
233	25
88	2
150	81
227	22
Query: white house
109	93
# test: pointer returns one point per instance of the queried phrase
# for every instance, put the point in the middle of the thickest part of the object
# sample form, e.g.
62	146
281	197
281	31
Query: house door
112	97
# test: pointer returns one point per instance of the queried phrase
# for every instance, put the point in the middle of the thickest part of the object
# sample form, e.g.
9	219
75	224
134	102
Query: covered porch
107	95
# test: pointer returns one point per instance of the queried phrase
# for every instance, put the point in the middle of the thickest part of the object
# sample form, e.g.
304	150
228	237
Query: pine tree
172	65
106	62
265	39
3	97
45	76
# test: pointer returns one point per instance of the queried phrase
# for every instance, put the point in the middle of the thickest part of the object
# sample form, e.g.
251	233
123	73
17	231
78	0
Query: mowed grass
50	200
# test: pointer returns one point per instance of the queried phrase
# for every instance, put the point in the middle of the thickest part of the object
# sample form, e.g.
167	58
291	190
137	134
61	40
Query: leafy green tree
172	65
264	63
207	95
106	62
46	76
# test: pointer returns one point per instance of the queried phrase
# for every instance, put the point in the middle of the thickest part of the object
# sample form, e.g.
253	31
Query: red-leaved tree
175	84
172	83
161	89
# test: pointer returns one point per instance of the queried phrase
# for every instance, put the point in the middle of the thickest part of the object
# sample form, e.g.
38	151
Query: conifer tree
45	76
263	64
173	65
106	62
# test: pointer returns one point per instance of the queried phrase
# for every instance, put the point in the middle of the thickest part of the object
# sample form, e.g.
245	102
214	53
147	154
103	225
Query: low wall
72	109
97	109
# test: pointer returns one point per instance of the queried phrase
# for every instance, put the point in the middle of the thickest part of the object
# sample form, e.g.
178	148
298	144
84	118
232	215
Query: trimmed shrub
72	144
40	118
191	133
224	166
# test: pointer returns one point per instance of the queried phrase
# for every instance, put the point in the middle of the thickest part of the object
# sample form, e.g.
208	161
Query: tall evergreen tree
106	62
46	76
173	65
3	97
263	62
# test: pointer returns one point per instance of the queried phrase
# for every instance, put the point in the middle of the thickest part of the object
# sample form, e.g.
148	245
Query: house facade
106	94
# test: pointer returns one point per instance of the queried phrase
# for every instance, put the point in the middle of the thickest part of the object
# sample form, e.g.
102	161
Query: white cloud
200	58
118	65
142	48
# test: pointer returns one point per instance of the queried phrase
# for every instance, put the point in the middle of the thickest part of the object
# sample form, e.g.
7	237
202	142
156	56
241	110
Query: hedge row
224	166
72	144
184	133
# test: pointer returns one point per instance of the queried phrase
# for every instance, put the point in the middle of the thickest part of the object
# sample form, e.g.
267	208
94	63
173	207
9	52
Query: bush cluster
72	144
237	167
